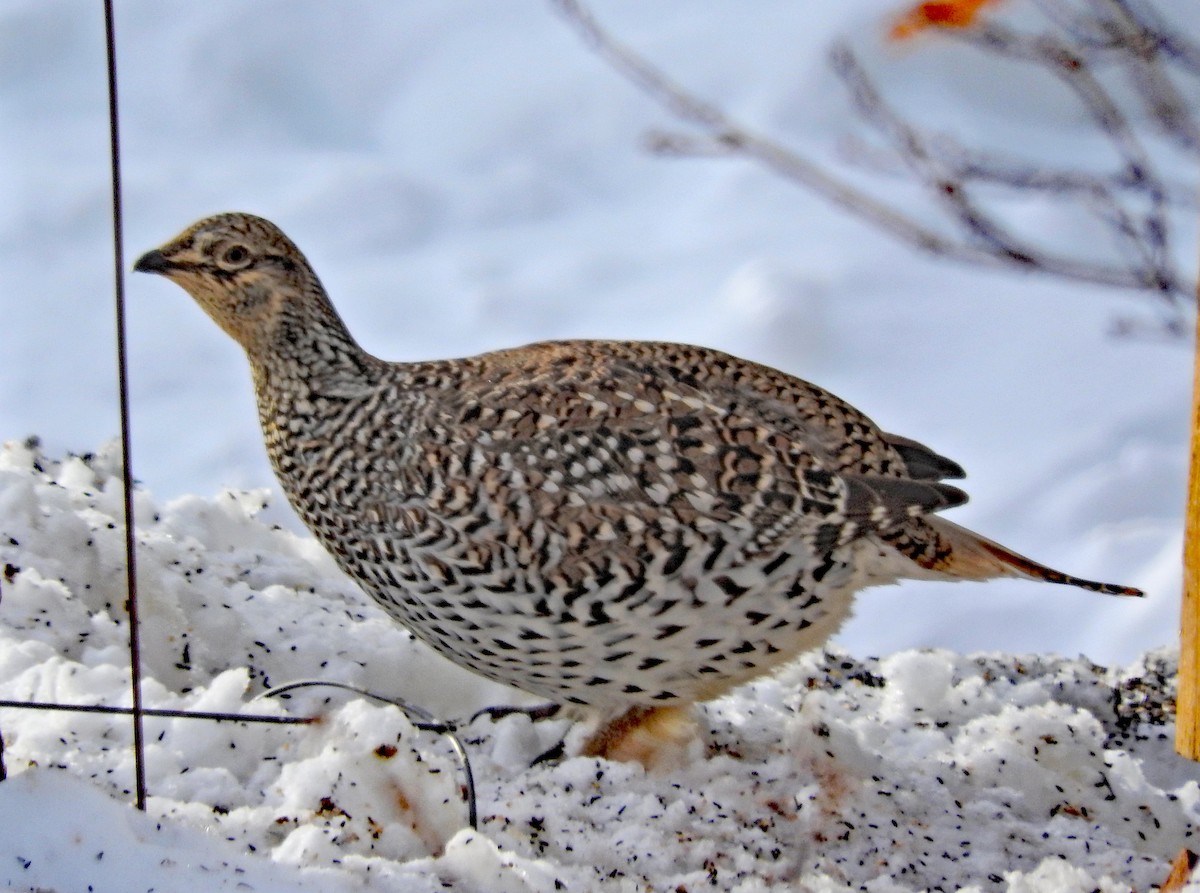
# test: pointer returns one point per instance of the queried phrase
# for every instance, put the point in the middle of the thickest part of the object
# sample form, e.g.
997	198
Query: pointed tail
967	555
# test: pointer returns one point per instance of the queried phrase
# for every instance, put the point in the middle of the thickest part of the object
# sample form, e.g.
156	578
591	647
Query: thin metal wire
135	658
424	720
160	712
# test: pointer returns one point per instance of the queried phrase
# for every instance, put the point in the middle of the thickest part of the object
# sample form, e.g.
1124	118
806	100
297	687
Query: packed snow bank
923	770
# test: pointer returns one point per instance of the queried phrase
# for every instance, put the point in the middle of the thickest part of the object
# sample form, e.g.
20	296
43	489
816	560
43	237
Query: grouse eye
235	255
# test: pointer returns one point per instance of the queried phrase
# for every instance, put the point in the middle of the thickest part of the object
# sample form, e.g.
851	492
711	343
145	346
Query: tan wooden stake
1181	872
1187	704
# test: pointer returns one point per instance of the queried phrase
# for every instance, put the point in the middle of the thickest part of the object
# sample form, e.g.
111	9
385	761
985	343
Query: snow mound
925	770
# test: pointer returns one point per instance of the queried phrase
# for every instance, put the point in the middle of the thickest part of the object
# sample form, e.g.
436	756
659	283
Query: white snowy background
467	176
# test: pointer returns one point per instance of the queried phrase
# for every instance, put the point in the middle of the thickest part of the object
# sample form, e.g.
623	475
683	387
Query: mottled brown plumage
626	526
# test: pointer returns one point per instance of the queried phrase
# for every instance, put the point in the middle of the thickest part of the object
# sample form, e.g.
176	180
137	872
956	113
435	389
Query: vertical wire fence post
135	662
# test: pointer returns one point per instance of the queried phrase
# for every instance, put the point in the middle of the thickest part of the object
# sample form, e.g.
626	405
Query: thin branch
1065	63
938	180
1173	44
1146	238
740	141
983	240
948	186
1139	48
973	165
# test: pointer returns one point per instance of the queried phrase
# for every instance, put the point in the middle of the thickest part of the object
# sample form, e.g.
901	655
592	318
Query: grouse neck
311	350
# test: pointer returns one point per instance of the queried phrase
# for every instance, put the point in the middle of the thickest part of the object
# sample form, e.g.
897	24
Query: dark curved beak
153	262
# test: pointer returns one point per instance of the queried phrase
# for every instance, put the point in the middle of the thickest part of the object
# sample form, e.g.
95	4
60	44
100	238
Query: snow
924	770
467	177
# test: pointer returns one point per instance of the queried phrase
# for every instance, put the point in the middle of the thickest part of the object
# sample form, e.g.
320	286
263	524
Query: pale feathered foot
656	737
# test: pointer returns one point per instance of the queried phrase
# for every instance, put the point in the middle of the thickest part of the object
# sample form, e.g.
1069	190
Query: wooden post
1181	872
1187	704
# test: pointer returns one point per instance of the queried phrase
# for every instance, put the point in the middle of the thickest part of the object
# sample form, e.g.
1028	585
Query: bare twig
946	187
1139	45
1171	44
738	140
1148	237
949	184
1132	203
972	164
